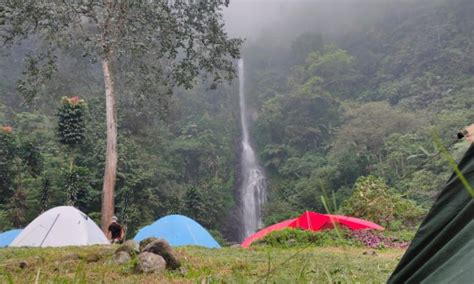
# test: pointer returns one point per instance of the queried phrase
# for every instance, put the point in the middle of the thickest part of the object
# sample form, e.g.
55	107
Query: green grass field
228	265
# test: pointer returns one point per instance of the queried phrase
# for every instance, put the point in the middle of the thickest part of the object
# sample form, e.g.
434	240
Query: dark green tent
442	250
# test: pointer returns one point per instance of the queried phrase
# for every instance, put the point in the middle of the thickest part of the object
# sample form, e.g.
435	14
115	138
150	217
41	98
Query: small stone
150	263
183	271
145	242
370	252
23	264
122	257
162	247
71	256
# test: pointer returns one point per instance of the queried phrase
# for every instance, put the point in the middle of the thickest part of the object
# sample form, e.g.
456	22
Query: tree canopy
334	112
167	42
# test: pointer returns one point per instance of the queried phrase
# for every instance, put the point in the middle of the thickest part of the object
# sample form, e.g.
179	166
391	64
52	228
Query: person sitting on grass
116	232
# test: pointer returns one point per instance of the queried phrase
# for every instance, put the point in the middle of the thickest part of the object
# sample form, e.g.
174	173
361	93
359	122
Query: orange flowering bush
6	129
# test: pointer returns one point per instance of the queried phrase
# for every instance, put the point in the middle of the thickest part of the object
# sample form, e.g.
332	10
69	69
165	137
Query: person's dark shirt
115	229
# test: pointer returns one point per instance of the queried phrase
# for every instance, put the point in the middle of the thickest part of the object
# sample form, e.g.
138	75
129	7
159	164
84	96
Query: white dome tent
58	227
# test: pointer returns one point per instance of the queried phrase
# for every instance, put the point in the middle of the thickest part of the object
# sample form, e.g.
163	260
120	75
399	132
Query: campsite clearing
94	264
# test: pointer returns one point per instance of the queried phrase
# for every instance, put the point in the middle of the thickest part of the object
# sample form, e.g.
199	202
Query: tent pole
57	217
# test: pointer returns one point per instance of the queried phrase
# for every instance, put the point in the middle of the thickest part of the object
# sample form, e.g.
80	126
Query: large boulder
163	248
150	263
145	242
130	246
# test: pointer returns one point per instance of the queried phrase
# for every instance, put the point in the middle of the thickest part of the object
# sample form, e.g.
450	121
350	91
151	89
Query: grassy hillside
296	265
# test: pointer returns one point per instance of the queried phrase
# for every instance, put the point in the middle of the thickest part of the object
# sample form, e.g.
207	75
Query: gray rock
145	242
23	264
162	247
370	252
183	271
122	257
93	257
149	262
130	246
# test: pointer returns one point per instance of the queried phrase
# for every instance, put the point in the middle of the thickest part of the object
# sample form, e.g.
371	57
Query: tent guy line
55	220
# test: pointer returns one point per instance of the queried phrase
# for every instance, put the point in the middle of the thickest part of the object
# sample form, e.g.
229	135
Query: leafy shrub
297	237
218	237
326	238
71	124
8	152
373	200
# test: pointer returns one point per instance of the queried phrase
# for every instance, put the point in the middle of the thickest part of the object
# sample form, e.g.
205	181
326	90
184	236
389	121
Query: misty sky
253	19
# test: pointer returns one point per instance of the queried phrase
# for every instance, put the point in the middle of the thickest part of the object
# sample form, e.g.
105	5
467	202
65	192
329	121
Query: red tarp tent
314	222
266	231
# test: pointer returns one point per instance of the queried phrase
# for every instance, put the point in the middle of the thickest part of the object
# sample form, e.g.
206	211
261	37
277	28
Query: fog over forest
281	20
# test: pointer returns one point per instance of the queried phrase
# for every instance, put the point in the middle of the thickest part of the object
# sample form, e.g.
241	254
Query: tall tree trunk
111	153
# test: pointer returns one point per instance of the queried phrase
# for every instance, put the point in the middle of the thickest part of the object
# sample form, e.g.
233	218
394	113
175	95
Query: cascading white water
253	185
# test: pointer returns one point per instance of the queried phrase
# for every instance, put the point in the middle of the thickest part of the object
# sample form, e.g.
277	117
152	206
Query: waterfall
253	183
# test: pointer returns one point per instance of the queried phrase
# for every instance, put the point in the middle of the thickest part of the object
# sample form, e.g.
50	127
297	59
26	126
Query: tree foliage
71	121
333	114
187	36
387	85
373	200
170	42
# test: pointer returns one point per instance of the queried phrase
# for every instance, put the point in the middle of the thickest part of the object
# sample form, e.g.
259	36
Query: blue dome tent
7	237
178	230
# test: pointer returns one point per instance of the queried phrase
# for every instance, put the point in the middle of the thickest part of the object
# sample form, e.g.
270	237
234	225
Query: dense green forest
333	113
